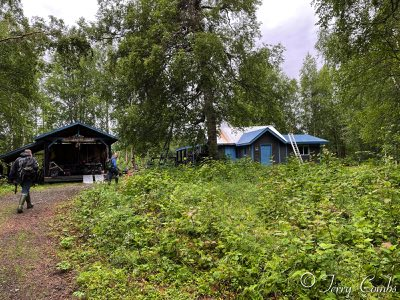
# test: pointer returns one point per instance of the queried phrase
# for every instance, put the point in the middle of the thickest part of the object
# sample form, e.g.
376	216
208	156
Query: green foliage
64	266
77	76
5	188
321	114
198	63
239	230
357	39
66	242
19	61
50	75
79	295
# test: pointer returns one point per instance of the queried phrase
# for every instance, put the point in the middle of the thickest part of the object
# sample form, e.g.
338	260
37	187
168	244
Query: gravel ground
28	247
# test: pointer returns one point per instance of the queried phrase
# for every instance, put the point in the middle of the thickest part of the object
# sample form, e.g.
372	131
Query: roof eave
19	150
244	144
44	135
311	143
260	134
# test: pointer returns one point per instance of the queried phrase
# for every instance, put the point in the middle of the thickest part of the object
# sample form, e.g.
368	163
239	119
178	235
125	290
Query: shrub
240	230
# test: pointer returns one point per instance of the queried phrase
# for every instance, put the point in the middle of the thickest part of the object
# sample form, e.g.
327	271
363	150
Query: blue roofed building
264	144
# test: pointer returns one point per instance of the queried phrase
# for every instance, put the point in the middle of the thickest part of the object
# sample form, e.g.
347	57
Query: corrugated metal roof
244	136
248	137
230	136
306	139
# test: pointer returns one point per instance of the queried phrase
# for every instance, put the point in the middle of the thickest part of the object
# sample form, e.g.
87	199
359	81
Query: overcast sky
289	22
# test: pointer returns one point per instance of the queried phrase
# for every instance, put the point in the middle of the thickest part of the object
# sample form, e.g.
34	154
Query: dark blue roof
249	137
187	147
306	139
76	124
12	155
184	148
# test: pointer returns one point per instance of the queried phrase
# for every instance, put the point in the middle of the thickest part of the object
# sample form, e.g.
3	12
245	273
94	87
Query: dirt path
28	250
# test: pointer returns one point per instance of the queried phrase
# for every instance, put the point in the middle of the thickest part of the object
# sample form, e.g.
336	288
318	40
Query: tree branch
19	37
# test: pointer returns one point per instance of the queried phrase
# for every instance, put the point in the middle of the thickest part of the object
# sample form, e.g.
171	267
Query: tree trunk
107	117
211	125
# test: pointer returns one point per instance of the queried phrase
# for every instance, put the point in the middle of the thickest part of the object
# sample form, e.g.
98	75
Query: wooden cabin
68	153
189	154
262	144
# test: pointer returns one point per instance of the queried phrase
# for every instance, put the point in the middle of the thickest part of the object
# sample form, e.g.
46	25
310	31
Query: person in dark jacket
24	171
113	170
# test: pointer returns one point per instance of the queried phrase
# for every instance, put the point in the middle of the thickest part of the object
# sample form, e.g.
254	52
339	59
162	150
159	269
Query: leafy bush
240	231
64	266
5	188
66	242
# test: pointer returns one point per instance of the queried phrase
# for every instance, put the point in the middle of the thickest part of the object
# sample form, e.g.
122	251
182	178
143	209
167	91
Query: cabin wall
186	155
284	151
278	148
244	151
221	151
46	160
228	151
280	151
315	150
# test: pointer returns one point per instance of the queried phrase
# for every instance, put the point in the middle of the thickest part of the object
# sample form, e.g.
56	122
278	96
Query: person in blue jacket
113	171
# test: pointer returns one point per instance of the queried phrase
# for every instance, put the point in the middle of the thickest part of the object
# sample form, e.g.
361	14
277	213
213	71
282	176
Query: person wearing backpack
113	170
24	171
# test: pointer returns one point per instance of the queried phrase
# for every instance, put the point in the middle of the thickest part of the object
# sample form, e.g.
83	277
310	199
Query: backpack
109	165
27	169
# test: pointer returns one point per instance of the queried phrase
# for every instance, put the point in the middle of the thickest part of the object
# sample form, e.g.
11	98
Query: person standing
24	171
113	171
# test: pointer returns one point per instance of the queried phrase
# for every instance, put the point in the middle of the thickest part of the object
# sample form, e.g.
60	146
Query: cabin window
304	150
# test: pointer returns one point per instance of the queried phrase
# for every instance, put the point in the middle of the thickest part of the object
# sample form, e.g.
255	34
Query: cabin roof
244	136
249	137
65	131
231	135
71	129
14	154
306	139
187	147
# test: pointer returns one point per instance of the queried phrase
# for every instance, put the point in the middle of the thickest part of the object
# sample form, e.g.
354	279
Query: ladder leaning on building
295	147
